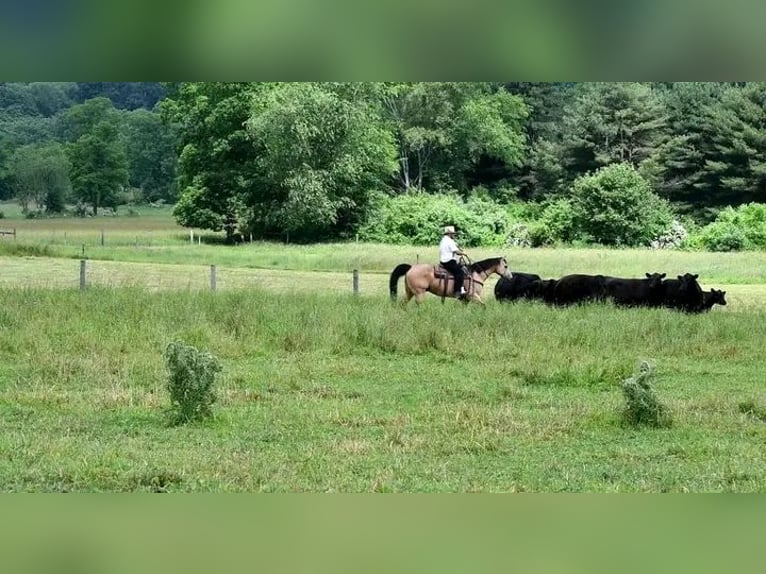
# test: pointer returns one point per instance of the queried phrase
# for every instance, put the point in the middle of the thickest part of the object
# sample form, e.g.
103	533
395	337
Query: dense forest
611	163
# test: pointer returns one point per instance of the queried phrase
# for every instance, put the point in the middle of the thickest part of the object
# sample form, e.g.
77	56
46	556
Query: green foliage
642	407
99	166
738	228
320	156
722	236
191	376
216	160
616	206
40	175
190	210
151	152
556	224
613	122
418	219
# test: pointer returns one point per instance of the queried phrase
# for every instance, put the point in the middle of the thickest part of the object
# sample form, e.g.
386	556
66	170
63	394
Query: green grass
323	392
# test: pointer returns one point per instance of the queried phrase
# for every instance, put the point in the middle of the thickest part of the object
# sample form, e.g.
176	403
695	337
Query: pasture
323	391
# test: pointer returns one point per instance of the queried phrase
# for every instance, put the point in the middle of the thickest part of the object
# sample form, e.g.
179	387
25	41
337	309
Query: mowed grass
328	392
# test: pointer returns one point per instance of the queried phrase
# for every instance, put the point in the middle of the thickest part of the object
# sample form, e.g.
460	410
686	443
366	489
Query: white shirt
447	249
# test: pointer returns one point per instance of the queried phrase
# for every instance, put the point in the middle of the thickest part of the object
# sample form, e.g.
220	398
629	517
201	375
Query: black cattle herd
655	290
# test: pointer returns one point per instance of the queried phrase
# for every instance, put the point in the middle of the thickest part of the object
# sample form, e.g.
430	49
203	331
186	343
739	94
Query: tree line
94	145
316	161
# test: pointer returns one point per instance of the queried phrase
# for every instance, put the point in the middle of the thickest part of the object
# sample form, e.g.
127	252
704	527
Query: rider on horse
449	252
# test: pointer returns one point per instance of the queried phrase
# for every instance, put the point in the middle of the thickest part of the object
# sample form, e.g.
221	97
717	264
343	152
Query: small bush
191	375
642	406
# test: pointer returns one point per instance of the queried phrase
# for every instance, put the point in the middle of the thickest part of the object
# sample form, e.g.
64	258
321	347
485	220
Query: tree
691	127
616	206
543	172
320	155
40	175
445	129
613	123
99	166
217	160
151	152
83	118
123	95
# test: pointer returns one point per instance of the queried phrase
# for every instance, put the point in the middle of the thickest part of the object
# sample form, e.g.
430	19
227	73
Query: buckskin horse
435	279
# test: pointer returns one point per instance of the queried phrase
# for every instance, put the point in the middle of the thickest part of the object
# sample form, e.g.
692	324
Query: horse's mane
484	264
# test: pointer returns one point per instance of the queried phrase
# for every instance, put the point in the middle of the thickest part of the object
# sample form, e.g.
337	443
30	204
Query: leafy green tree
82	118
217	160
444	130
151	151
40	175
52	97
99	166
616	206
320	155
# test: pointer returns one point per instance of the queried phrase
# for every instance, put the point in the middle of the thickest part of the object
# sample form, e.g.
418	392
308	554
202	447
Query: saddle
442	273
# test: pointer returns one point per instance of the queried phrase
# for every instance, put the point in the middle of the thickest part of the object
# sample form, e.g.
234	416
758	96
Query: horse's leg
408	294
475	295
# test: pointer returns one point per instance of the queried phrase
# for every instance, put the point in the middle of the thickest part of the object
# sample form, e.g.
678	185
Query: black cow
577	288
648	292
683	293
543	289
518	287
710	298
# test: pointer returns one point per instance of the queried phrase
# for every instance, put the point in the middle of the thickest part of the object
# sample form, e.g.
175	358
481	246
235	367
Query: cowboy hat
449	229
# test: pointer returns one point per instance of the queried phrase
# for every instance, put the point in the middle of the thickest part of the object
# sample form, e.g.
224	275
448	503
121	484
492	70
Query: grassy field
324	391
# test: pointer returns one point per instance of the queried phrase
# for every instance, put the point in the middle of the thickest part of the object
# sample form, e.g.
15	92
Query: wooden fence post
102	238
355	281
212	278
82	274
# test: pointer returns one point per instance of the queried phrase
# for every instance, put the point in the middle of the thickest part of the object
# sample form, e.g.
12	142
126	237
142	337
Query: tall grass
326	392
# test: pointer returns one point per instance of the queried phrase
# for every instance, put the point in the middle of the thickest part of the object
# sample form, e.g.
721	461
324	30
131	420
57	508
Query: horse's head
503	270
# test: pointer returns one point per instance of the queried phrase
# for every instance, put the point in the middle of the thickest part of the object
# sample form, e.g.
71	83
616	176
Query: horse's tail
398	271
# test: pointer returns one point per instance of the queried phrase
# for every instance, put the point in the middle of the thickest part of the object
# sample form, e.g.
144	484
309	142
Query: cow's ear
648	276
662	276
680	277
696	275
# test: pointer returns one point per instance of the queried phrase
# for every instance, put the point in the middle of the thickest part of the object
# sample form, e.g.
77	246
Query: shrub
418	218
556	224
735	229
616	206
642	406
723	236
191	375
